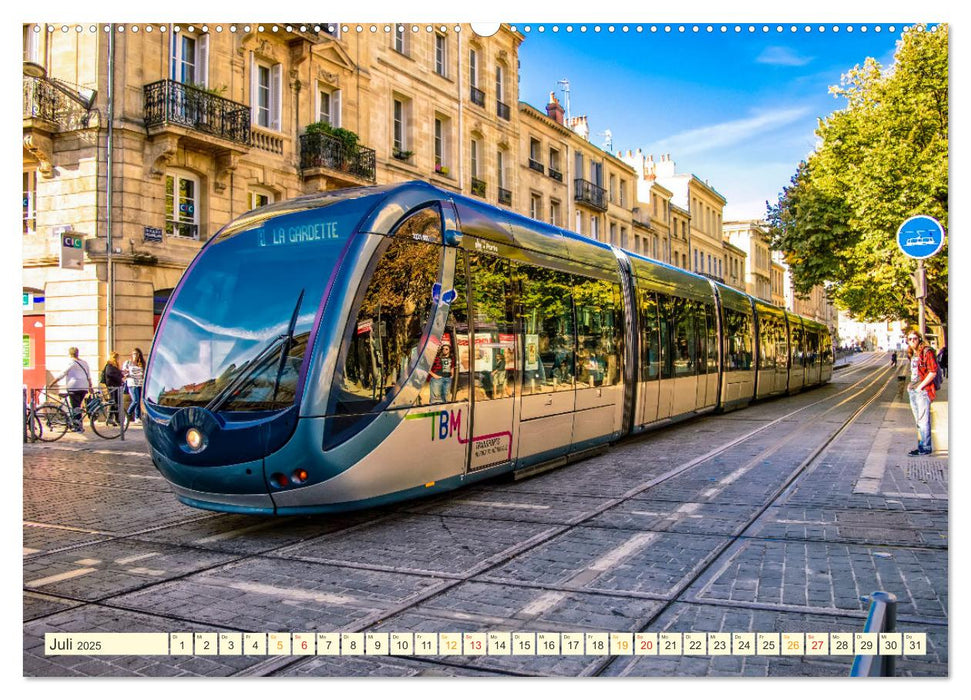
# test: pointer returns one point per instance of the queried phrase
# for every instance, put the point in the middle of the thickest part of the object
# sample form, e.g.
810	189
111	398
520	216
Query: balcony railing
477	96
326	151
41	99
478	187
537	166
168	102
588	193
505	197
502	110
555	174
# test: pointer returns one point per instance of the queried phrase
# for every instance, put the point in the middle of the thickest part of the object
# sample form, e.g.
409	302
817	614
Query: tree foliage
881	159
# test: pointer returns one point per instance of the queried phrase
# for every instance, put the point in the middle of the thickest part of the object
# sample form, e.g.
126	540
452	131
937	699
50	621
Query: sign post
919	238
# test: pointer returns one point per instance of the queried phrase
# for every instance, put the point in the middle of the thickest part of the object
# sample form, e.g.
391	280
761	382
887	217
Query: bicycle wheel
34	427
54	422
104	421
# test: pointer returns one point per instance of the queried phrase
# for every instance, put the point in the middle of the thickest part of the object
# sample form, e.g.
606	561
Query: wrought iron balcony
590	194
478	187
537	166
502	110
505	197
170	103
326	151
555	174
41	99
477	96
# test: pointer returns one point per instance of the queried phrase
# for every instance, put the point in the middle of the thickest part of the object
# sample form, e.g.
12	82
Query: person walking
923	369
134	372
113	378
78	383
893	359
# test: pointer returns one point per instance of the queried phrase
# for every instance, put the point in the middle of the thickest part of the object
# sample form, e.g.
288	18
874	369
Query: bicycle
56	416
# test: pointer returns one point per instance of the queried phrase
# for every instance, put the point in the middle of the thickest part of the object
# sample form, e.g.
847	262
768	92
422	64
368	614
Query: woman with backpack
924	381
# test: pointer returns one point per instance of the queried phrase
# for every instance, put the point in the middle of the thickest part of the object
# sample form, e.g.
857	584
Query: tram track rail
873	380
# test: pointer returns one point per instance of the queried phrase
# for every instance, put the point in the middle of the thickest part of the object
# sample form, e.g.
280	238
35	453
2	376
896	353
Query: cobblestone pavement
687	529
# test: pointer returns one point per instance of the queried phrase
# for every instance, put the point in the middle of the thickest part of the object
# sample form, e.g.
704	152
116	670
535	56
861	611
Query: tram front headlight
194	439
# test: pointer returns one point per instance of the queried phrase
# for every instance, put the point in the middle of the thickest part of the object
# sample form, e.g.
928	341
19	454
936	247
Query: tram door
492	356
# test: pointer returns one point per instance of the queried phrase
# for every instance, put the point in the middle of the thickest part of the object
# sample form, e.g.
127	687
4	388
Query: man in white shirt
77	382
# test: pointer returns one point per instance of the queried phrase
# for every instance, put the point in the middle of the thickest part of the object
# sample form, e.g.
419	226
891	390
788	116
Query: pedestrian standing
113	378
923	369
134	372
893	359
78	383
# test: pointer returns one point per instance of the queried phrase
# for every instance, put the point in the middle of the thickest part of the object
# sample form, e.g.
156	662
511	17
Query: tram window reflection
599	332
547	321
493	346
650	348
448	378
386	332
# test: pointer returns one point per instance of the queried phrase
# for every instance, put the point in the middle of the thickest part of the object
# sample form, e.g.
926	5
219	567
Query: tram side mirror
453	237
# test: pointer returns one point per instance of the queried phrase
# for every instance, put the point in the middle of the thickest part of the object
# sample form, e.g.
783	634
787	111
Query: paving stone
611	560
430	544
100	570
263	594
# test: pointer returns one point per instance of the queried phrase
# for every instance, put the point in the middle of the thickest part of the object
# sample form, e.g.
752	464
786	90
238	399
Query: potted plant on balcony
401	155
441	169
345	138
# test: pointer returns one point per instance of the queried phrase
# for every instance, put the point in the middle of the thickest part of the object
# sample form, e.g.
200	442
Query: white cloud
782	56
727	134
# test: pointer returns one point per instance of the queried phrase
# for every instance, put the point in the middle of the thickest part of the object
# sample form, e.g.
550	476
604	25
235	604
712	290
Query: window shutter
253	90
335	108
173	54
276	84
202	60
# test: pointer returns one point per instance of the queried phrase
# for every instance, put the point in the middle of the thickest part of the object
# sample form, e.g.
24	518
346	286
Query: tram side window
650	343
767	342
685	345
546	302
826	349
492	354
782	346
712	344
386	332
812	348
738	337
448	378
599	332
666	311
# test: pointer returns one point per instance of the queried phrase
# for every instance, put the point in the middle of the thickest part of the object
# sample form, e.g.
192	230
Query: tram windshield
235	337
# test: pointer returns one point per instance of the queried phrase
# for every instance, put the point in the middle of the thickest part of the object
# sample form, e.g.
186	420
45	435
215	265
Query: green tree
882	159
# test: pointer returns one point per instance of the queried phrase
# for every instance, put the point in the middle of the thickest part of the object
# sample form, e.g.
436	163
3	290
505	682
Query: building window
267	91
613	234
501	168
613	189
182	205
578	224
190	59
500	84
329	106
554	161
473	68
260	198
440	55
30	201
401	40
400	127
443	144
474	158
554	212
594	228
535	206
623	193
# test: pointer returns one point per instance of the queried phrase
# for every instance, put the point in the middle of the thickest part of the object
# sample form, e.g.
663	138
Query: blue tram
353	348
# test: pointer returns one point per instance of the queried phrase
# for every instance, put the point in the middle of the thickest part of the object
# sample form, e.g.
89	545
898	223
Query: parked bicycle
56	416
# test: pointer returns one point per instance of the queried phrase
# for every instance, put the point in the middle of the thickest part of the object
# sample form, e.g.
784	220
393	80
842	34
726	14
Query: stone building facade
751	237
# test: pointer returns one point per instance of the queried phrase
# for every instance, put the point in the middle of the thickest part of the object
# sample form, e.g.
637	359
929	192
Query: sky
737	108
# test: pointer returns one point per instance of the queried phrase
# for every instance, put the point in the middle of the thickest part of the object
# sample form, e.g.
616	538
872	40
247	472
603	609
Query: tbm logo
445	424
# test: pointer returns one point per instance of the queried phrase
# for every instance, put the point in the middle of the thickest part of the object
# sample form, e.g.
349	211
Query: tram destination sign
920	237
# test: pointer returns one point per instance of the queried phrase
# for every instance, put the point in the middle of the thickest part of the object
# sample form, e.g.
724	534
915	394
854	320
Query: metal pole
921	293
881	618
110	305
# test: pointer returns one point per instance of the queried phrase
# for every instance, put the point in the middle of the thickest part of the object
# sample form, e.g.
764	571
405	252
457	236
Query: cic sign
72	251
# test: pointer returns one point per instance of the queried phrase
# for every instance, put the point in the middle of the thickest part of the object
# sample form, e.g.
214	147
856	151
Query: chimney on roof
665	166
580	126
554	110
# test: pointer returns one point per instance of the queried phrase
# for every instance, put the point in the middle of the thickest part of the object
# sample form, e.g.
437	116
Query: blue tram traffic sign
920	237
